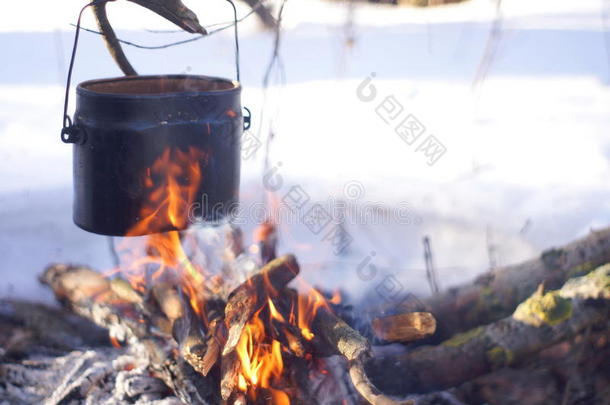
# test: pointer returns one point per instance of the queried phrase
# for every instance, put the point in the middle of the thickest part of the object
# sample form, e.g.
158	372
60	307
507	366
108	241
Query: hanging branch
111	40
223	26
263	13
173	11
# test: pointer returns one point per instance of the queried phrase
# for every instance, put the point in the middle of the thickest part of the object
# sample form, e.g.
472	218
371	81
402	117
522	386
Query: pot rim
83	90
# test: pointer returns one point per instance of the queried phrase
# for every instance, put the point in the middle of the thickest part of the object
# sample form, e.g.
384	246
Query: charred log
251	295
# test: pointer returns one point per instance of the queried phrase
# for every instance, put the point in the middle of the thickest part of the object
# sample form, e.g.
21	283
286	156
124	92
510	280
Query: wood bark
112	42
539	322
25	326
229	372
174	11
251	295
263	13
191	338
356	350
496	294
88	293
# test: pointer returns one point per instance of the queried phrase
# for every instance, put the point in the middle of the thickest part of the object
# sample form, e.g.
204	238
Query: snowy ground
527	151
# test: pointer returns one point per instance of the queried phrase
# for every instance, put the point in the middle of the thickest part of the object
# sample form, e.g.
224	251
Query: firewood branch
496	294
248	297
117	308
356	350
542	320
112	42
89	294
172	10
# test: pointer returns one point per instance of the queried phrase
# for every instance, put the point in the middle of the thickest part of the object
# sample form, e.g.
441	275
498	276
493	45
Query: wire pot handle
71	133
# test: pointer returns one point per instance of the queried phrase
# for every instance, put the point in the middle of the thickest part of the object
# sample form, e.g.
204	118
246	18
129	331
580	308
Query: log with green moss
540	321
495	294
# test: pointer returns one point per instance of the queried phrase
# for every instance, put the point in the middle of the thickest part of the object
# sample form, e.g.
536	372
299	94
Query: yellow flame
260	358
172	182
274	312
308	306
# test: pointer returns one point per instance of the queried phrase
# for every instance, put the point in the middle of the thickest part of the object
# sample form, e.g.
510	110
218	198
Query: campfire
242	333
197	325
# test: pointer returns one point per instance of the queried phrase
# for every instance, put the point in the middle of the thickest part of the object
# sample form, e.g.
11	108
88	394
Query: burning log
340	336
188	385
266	237
405	327
89	294
497	293
214	342
290	336
168	299
190	336
125	291
199	349
539	322
229	377
243	302
356	350
247	298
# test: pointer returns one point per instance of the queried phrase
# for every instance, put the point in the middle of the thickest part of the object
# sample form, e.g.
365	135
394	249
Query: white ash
102	376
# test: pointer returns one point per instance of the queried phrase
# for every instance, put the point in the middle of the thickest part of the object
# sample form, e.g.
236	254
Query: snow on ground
526	157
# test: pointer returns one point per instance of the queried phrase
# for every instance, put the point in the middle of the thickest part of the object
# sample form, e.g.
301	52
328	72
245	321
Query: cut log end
405	327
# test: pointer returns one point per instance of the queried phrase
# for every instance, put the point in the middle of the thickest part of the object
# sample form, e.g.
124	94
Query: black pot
141	138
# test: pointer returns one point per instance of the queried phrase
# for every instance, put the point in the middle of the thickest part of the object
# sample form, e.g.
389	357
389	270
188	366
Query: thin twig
491	47
605	29
224	26
275	61
113	254
430	270
112	42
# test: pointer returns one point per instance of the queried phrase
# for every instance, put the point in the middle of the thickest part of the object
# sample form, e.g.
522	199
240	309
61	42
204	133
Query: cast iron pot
128	128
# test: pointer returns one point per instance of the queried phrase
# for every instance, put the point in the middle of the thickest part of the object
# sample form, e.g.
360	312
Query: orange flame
115	342
172	183
261	360
260	355
274	312
336	298
308	306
